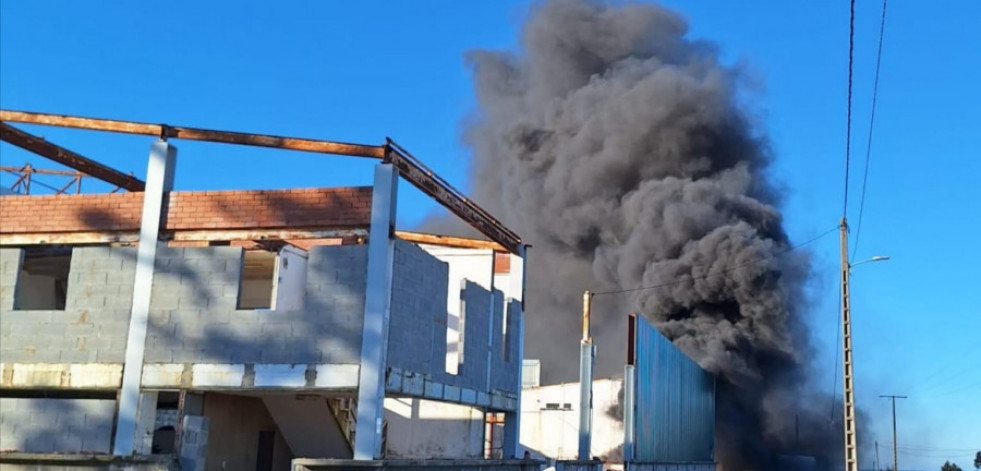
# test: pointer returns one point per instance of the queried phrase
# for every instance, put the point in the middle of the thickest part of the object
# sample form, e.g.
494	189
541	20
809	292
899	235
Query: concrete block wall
417	324
507	372
39	425
93	326
473	371
10	260
193	314
417	328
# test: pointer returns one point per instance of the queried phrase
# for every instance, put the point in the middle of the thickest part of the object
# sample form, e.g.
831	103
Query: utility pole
585	382
876	467
877	455
895	445
851	442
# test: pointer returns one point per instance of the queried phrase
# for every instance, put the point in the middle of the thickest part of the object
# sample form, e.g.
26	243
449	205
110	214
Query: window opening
257	281
42	283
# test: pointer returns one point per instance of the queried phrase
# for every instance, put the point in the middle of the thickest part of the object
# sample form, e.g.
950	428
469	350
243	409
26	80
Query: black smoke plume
620	149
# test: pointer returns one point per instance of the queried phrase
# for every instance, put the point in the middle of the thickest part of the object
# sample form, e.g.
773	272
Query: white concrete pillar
378	297
512	420
159	182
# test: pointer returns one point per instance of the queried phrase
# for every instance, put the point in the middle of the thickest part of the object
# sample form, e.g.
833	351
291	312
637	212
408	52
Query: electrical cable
939	382
960	388
848	130
868	147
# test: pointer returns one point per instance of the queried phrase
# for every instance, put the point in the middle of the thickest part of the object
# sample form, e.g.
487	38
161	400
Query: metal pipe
587	300
585	399
586	354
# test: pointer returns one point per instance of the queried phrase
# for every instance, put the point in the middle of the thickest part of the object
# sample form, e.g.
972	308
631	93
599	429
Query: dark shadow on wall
310	335
46	421
214	342
215	331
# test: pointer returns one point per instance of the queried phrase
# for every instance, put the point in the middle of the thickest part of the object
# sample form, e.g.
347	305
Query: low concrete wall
304	464
60	462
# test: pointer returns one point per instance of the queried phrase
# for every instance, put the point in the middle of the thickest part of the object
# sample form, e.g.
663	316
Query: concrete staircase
345	411
310	426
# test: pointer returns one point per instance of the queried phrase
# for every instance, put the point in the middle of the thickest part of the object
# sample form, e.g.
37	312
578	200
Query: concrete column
378	296
512	420
159	182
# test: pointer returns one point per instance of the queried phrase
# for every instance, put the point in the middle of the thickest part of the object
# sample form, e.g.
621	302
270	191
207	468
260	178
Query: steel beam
193	134
431	184
68	158
409	167
202	235
449	241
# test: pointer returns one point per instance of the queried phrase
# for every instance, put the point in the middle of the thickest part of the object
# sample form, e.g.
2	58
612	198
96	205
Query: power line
868	147
848	131
930	448
721	272
956	390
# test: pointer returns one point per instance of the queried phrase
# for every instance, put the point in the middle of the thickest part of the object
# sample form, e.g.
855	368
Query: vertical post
895	444
587	300
516	288
585	381
851	442
28	170
146	415
629	414
378	296
159	182
876	466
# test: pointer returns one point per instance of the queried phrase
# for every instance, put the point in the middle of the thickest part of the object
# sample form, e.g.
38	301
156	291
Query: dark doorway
264	457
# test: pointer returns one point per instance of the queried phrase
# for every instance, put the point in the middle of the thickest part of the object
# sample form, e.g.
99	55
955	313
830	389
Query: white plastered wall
418	428
555	433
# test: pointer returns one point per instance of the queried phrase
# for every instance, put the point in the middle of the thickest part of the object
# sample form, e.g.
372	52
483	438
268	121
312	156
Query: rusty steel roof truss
410	168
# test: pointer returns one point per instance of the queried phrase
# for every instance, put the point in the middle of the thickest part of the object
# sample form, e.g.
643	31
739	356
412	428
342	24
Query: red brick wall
189	210
502	263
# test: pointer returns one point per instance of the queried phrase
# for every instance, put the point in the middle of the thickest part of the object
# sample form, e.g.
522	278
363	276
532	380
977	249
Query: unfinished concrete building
246	329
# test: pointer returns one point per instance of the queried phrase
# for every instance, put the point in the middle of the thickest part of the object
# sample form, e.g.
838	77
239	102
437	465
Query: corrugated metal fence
675	400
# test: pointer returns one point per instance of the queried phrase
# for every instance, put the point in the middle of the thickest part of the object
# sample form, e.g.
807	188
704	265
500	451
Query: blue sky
360	72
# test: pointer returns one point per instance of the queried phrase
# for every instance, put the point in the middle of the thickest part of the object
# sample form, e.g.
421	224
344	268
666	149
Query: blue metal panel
675	401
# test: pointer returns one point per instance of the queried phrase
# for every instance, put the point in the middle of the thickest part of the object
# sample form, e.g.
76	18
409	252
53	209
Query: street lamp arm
877	258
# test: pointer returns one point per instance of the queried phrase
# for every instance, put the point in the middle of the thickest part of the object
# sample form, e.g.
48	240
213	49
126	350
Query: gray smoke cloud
619	148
